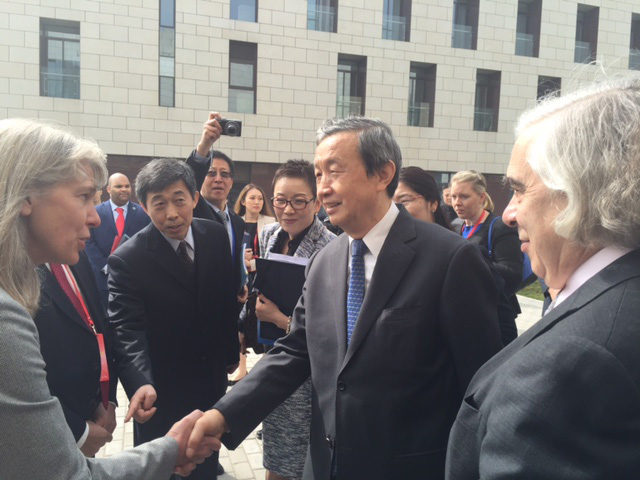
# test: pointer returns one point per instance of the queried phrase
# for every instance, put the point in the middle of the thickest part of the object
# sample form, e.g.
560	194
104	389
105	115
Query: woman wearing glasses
418	192
298	233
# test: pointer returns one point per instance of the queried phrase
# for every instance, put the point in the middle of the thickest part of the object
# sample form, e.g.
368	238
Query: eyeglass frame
223	174
407	199
290	202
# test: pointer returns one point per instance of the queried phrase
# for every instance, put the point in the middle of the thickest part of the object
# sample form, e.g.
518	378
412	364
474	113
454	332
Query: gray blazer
316	238
36	442
385	403
563	400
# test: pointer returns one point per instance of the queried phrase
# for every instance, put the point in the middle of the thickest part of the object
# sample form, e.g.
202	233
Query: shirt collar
176	243
590	268
374	239
218	211
124	207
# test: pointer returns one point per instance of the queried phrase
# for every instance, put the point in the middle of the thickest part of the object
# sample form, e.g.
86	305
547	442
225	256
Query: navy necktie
356	285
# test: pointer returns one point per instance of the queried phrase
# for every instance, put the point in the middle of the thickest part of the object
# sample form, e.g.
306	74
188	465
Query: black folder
281	282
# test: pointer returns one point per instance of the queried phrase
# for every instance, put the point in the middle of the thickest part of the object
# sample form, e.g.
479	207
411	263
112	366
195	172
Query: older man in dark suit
561	401
395	318
119	217
172	307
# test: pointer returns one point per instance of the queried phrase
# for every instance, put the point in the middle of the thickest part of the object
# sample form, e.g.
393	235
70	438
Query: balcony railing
419	115
321	18
462	36
483	119
634	59
524	44
60	85
348	106
394	28
583	53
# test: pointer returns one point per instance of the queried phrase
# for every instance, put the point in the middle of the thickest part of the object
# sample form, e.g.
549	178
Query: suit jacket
561	401
36	441
70	348
204	210
384	404
173	329
99	245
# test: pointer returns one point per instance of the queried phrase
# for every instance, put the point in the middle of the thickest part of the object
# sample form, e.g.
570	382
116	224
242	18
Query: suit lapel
106	215
166	257
337	290
53	289
393	261
130	219
203	252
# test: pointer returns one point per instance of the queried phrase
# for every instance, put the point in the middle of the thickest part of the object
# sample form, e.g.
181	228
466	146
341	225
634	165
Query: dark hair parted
222	156
297	168
160	173
376	143
241	209
424	184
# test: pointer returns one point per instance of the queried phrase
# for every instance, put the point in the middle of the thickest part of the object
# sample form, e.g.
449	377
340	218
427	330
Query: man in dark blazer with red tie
118	217
71	351
395	317
171	306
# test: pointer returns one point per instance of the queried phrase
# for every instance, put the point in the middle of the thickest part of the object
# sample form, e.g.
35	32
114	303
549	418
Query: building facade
449	76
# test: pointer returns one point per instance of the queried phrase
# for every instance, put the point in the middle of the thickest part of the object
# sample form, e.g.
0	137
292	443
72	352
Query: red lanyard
478	223
104	366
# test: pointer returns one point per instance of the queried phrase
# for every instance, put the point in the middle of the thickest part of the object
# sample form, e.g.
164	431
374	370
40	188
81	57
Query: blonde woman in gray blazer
48	178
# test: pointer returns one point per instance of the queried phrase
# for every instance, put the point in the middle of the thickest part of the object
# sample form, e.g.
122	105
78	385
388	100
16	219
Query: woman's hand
248	256
267	311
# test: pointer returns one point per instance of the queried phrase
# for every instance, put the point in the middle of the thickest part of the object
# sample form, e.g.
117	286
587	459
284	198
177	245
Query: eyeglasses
406	200
224	174
296	203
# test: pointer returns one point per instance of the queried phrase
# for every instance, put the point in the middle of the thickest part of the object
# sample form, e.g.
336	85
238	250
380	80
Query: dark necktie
183	253
356	285
120	221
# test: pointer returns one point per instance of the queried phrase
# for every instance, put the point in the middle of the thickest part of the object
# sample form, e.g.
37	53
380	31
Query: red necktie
120	221
78	303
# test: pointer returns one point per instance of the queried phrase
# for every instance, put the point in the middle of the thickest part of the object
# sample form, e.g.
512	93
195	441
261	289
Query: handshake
198	436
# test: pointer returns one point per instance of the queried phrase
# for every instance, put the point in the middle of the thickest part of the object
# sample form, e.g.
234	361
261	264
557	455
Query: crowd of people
401	358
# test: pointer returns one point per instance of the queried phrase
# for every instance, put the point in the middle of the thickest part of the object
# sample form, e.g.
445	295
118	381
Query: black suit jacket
561	401
204	210
384	404
70	348
173	329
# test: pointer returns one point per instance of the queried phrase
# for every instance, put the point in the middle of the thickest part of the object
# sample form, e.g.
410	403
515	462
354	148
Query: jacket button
329	442
342	386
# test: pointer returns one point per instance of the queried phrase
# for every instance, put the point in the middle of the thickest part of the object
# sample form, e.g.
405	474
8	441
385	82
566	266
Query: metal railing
462	36
60	85
483	119
634	59
583	53
394	27
524	44
419	115
321	18
346	106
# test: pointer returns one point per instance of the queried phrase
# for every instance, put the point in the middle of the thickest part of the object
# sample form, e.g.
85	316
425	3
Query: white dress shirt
187	238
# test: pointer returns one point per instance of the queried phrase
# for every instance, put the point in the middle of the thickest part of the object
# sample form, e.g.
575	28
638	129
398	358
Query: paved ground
245	462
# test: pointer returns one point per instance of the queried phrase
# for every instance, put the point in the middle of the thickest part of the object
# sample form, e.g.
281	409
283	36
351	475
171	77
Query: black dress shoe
220	470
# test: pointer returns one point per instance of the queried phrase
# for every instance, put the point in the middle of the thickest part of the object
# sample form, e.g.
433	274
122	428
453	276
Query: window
548	86
487	101
528	28
634	47
167	54
586	34
242	76
422	94
396	21
245	10
352	73
322	15
465	24
59	58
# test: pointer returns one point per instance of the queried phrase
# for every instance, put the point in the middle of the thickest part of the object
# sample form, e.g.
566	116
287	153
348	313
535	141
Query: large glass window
528	28
59	58
586	33
242	76
422	94
465	24
352	81
487	101
548	86
322	15
634	46
245	10
167	54
396	20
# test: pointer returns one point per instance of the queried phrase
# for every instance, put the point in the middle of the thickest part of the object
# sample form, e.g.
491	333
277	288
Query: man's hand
208	428
181	432
210	133
96	439
141	406
106	418
267	311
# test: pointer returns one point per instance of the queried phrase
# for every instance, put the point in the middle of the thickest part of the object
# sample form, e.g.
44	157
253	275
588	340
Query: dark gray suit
563	400
386	403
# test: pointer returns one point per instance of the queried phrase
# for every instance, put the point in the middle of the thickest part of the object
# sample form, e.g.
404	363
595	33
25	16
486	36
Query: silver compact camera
230	127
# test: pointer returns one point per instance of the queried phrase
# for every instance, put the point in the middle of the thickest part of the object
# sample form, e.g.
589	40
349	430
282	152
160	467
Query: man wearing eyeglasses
214	177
